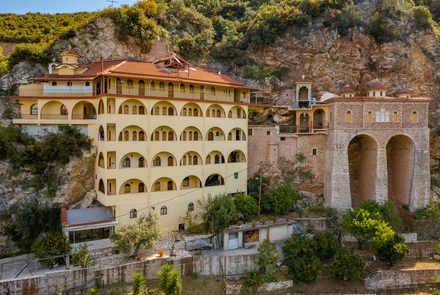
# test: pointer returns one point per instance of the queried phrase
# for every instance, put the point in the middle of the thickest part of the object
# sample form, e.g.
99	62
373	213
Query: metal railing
83	117
54	116
25	116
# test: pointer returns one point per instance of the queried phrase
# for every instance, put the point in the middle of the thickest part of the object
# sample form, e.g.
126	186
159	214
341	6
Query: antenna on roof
112	1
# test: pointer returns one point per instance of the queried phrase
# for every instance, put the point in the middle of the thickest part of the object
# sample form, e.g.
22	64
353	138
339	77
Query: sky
57	6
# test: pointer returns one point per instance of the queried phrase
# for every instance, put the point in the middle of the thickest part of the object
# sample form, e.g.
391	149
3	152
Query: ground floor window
86	235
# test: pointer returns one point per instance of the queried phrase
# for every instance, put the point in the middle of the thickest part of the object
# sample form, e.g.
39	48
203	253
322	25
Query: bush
195	275
388	243
32	53
170	282
246	205
347	266
326	245
82	256
304	269
281	199
138	284
267	260
93	291
422	18
376	28
253	280
348	18
299	246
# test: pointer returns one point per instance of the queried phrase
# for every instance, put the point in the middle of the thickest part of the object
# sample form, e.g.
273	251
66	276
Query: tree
387	210
170	282
246	205
348	18
387	243
347	266
82	256
220	211
140	235
281	199
304	269
361	224
267	260
53	244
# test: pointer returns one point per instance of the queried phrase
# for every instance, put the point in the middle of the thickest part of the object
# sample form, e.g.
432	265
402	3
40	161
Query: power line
173	198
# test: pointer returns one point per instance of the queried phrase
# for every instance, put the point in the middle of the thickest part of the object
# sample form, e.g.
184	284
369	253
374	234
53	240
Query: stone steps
368	273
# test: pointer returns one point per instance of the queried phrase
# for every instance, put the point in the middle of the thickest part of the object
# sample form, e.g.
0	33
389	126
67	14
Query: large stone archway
400	169
362	161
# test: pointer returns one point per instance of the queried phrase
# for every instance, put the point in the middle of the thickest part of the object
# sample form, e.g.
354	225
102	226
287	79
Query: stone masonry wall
386	280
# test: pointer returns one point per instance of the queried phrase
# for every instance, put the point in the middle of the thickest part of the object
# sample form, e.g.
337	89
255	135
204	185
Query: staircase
368	273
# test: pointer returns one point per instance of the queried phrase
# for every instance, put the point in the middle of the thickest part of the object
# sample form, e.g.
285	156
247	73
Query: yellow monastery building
166	133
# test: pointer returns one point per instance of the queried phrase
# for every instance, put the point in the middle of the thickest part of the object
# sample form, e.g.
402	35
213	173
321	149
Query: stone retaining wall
409	238
385	280
204	265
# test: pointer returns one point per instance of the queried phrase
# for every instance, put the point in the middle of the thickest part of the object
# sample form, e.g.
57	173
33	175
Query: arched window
207	113
170	185
217	133
170	161
202	92
218	114
134	136
120	136
196	112
191	88
182	87
170	136
126	109
348	117
184	135
133	213
189	160
208	159
164	136
217	159
141	110
244	94
381	93
395	117
129	83
370	116
164	111
239	113
190	135
141	136
210	136
163	210
184	112
126	135
141	162
195	160
101	186
157	186
213	113
54	83
152	85
63	110
191	206
120	110
170	89
156	136
162	86
141	188
230	114
134	110
141	89
126	162
230	136
156	111
414	117
212	90
374	93
156	162
127	188
184	160
196	135
170	111
34	109
185	182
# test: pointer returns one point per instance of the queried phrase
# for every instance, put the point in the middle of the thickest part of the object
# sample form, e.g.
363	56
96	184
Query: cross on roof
303	76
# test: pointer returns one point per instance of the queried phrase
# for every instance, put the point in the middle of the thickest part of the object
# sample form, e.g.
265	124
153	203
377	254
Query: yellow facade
163	147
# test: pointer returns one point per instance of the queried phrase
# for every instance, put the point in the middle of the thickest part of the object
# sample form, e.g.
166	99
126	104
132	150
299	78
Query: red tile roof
403	91
70	52
148	70
347	90
377	86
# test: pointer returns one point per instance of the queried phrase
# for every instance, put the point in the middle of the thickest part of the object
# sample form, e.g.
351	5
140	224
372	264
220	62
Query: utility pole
259	195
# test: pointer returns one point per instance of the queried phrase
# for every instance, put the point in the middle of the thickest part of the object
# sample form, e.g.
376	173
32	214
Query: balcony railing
83	117
54	117
25	116
300	129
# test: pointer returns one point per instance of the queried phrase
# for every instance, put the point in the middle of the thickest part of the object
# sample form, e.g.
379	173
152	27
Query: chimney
102	64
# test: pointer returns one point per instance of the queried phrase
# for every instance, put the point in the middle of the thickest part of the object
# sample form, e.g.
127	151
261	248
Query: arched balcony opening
132	160
236	134
163	184
101	186
236	156
237	112
163	133
132	133
214	180
164	159
132	186
191	110
190	182
163	108
101	133
84	110
101	161
54	110
101	108
132	107
191	134
190	159
215	157
215	111
215	134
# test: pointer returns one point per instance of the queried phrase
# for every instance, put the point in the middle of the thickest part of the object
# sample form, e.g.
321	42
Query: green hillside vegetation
222	29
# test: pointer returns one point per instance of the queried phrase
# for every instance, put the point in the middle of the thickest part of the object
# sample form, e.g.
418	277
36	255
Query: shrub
267	260
304	269
54	243
195	275
253	280
82	256
246	205
347	266
422	18
93	291
138	284
348	18
32	53
326	245
387	210
376	28
281	199
387	243
170	282
299	246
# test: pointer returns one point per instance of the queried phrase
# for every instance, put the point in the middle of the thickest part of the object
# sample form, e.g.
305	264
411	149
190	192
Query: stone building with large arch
360	148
